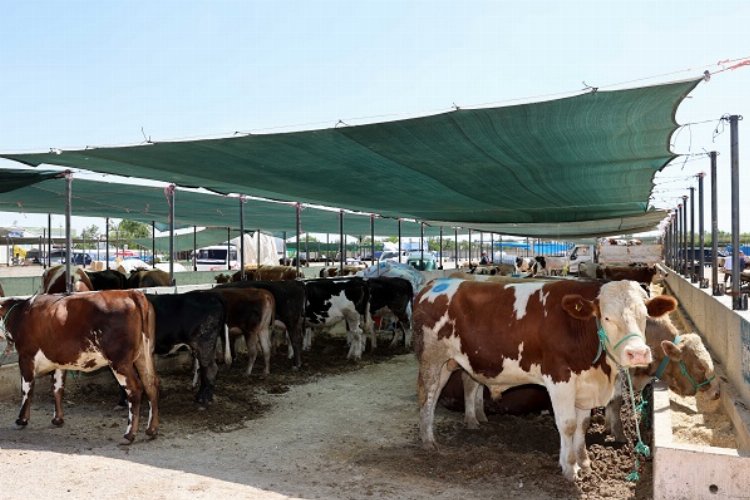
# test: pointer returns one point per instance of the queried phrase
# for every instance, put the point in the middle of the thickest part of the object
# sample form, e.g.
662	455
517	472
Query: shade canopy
591	157
12	179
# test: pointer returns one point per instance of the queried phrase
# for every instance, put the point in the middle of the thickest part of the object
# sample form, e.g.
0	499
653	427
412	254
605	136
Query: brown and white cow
639	273
335	271
53	280
250	313
84	332
543	333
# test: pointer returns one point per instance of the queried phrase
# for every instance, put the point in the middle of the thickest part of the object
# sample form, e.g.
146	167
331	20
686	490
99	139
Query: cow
53	280
538	266
290	309
250	313
393	295
493	269
680	360
660	334
334	271
84	332
569	336
640	273
109	279
148	278
272	273
195	319
330	301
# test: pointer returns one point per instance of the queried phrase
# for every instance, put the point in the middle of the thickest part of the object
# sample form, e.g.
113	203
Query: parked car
428	262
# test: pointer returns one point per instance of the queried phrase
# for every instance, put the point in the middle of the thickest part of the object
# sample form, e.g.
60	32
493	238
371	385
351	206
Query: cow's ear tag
578	306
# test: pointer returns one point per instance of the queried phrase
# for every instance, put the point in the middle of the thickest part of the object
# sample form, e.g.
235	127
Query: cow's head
621	309
691	368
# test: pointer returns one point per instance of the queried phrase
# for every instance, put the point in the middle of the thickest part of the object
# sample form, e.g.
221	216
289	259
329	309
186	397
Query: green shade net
16	178
583	158
149	204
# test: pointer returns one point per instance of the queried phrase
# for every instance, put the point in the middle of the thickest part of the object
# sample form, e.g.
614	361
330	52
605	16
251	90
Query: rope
640	448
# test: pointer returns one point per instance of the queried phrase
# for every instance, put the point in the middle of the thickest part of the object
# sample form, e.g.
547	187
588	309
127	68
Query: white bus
214	258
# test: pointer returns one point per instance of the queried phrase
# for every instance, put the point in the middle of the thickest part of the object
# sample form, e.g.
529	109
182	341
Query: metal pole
49	240
481	243
153	244
372	239
68	234
298	228
684	236
421	245
307	249
328	248
701	235
455	242
735	170
714	229
170	191
41	258
492	248
242	237
469	246
693	276
283	246
342	254
195	248
399	241
229	249
441	247
106	242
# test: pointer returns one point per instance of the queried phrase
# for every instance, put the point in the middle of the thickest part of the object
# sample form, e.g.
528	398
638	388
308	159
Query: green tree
89	234
129	230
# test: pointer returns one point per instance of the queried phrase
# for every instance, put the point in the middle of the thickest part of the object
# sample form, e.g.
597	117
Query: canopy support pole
492	248
195	248
298	226
481	243
399	241
42	260
714	229
684	236
342	255
307	249
106	242
242	238
441	248
421	246
372	239
170	194
737	303
49	240
257	233
693	275
455	243
153	244
701	236
283	246
68	234
229	249
470	247
328	248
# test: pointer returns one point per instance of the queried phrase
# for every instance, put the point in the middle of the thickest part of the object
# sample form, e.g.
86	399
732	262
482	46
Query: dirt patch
335	429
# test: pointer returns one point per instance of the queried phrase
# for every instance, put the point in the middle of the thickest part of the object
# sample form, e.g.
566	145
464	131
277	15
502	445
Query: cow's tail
148	320
227	349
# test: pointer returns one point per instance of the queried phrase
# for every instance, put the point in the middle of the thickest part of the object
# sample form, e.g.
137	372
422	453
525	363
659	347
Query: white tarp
268	252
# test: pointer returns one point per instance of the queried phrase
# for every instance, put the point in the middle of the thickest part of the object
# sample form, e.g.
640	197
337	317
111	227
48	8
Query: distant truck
606	252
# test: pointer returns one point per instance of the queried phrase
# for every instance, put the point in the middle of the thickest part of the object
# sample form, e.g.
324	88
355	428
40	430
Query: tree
129	230
89	234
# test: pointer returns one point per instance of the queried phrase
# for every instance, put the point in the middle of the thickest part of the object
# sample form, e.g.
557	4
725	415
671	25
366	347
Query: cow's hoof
152	433
430	446
57	421
21	423
472	425
127	439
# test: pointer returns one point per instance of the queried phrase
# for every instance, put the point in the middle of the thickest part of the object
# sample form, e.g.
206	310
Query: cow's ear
661	305
578	307
670	349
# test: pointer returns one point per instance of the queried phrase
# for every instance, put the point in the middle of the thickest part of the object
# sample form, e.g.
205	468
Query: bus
214	258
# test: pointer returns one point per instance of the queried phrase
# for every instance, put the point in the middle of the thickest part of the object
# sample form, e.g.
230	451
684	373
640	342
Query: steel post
701	234
68	234
342	255
298	228
372	239
684	236
170	194
229	249
737	303
242	237
693	277
195	248
440	263
714	228
399	241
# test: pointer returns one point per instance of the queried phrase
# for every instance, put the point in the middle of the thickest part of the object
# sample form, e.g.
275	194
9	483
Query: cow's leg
431	380
58	388
307	339
144	364
369	325
27	390
356	348
296	343
473	402
251	342
128	379
583	420
264	337
208	370
612	419
563	397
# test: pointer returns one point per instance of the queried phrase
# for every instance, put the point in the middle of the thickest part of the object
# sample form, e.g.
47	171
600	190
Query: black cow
109	279
194	319
290	308
395	295
330	301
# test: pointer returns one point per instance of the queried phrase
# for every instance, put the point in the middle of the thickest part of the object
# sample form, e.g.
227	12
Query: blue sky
81	73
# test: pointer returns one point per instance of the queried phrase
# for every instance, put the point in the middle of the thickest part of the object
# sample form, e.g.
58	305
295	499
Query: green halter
604	342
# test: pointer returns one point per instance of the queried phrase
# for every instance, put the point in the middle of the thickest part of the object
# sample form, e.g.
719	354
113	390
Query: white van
214	258
389	255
